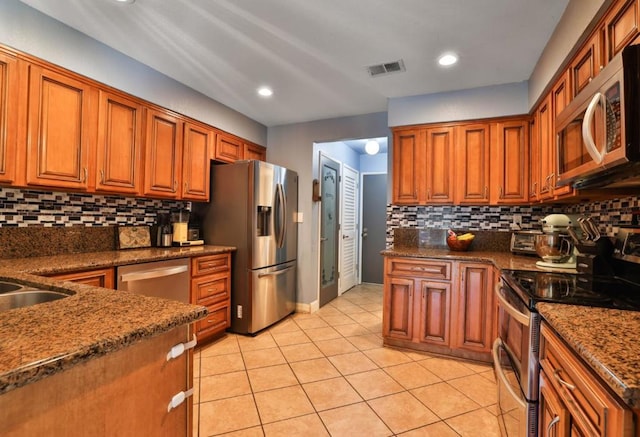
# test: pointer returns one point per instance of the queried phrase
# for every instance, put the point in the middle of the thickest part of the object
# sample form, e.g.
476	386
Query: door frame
360	207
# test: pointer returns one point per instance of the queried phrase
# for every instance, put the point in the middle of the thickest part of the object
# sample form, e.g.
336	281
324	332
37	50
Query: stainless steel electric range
516	350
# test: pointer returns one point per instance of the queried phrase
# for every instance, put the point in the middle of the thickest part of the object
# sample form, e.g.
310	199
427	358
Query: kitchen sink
14	296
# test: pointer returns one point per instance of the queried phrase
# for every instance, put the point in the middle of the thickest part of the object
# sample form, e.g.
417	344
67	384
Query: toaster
524	242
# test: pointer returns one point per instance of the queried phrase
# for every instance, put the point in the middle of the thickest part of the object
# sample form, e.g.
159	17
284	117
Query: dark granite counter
43	339
608	340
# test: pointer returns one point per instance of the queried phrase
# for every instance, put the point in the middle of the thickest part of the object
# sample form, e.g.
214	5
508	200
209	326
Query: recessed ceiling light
265	91
125	1
447	59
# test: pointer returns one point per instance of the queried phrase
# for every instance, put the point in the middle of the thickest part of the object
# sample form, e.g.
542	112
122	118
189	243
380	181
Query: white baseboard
307	307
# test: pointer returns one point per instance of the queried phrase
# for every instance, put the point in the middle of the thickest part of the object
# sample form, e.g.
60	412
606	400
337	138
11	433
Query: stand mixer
555	245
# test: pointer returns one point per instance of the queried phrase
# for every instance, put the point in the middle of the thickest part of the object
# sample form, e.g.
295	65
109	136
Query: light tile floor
327	373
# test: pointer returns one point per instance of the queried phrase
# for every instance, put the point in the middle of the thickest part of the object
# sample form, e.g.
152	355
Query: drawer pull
552	424
561	381
179	349
426	269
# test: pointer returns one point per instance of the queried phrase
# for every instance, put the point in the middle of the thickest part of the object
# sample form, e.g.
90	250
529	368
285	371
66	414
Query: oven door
517	416
519	331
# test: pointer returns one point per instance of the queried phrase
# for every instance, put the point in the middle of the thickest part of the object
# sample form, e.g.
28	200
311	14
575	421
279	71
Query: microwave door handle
587	123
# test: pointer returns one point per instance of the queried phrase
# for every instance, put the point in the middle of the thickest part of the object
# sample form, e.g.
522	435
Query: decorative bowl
458	245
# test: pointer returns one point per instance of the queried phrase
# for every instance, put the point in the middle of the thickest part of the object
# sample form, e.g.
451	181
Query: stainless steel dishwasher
167	279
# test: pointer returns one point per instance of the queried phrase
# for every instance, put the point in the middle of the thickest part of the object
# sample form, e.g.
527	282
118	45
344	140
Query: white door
349	229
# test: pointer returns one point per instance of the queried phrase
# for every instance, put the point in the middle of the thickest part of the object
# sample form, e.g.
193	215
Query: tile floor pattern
327	374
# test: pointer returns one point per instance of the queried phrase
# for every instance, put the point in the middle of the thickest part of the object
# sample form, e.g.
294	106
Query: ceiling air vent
386	68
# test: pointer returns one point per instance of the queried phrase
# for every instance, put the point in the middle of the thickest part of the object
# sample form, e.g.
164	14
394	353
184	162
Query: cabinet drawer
216	321
210	289
418	268
203	265
585	397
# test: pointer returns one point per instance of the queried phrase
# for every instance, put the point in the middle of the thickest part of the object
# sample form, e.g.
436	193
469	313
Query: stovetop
575	289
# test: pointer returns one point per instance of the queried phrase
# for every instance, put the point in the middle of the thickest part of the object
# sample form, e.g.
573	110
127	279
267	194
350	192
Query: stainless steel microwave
598	133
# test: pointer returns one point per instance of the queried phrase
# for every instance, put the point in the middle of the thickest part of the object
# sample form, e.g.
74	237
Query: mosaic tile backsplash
25	208
609	214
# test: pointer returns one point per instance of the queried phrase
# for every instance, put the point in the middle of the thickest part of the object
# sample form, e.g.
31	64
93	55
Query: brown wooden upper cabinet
228	148
587	63
439	165
472	160
621	26
59	129
254	151
408	169
510	162
163	154
198	142
543	123
119	148
8	116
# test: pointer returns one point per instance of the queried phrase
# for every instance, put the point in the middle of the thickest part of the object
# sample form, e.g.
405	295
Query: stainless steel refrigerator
252	207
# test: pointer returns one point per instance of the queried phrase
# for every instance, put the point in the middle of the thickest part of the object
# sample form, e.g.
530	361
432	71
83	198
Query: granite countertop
502	260
608	340
43	339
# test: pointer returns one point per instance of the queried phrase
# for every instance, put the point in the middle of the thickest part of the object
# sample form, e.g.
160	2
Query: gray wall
30	31
292	146
476	103
339	151
377	163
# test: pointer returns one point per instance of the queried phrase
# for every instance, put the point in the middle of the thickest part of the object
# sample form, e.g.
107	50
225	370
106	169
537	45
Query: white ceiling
313	53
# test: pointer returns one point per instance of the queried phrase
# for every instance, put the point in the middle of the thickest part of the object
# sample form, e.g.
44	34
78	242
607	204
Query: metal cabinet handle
429	194
562	381
501	192
175	186
553	423
552	183
102	176
85	173
486	192
425	269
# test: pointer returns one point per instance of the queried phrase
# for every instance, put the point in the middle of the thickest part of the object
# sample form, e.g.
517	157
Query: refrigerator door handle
279	272
282	215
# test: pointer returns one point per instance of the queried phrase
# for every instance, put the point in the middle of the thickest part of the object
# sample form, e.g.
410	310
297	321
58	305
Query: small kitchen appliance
555	245
524	242
164	234
180	222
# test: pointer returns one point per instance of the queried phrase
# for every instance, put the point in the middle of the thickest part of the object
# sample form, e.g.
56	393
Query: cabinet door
198	141
511	159
586	64
435	307
561	95
408	167
59	130
163	154
472	164
553	417
440	165
253	151
545	148
398	308
8	116
472	322
118	164
621	26
534	159
228	148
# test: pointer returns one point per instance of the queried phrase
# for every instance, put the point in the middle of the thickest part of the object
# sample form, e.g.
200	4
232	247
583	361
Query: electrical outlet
517	221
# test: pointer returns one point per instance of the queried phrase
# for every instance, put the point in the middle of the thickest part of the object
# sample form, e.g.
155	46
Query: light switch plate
298	217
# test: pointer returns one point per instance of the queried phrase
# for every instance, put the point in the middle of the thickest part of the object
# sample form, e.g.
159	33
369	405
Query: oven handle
520	317
501	376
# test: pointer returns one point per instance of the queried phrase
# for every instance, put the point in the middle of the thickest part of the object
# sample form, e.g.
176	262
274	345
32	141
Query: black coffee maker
164	233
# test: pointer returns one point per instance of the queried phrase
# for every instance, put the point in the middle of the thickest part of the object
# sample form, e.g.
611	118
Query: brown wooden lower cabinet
439	306
123	393
573	401
98	278
211	287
